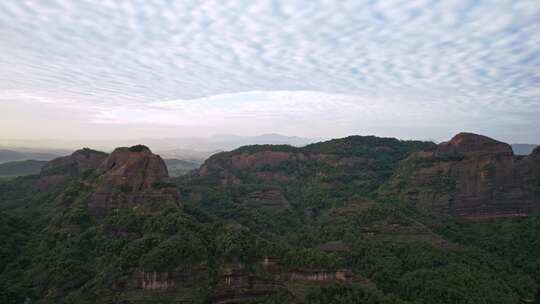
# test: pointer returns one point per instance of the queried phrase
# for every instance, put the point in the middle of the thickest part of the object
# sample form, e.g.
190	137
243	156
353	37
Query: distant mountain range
23	167
25	154
523	149
192	156
219	142
177	167
192	149
212	143
195	149
180	154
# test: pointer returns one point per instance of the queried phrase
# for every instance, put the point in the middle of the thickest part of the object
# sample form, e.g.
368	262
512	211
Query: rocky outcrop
277	177
54	173
268	199
76	163
322	275
262	158
472	177
264	163
473	145
237	284
132	177
168	280
126	178
154	280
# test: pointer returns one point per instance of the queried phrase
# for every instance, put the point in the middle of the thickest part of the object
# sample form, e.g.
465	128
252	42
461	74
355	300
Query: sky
313	68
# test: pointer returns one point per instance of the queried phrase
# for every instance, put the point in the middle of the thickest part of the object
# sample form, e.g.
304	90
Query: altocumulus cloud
383	67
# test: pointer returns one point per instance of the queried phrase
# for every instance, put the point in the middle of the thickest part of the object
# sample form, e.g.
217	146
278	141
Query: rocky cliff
279	176
132	177
126	178
236	284
76	163
279	221
470	176
55	173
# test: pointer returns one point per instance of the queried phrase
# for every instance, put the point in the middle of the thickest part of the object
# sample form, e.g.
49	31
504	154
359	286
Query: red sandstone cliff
127	178
471	176
132	177
54	173
76	163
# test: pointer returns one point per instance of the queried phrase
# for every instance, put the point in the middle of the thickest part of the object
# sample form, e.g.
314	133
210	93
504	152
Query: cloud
289	112
128	56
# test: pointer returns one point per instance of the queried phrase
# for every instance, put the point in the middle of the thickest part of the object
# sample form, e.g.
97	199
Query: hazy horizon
183	145
84	71
167	143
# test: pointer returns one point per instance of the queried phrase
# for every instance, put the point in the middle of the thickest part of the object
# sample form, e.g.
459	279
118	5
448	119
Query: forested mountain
471	176
360	219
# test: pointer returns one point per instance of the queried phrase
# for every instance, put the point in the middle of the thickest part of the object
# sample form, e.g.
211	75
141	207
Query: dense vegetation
78	258
514	241
55	251
318	177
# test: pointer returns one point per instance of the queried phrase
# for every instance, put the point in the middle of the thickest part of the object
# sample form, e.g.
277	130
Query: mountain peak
473	144
471	176
79	161
139	148
132	177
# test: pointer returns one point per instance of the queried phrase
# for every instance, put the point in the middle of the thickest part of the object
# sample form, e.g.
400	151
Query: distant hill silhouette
16	155
179	167
523	149
23	167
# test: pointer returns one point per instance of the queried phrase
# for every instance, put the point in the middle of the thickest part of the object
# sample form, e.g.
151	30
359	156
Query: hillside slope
261	224
470	176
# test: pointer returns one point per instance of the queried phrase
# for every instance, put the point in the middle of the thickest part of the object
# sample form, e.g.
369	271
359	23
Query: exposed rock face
269	199
322	275
154	280
55	172
130	178
471	176
469	144
76	163
249	161
275	177
127	178
237	285
263	164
